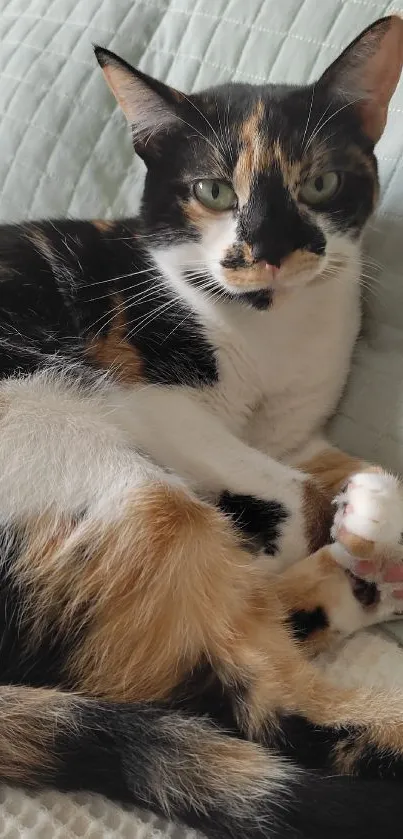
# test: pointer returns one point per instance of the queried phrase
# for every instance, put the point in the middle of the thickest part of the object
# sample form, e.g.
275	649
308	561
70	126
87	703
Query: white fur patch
372	507
60	450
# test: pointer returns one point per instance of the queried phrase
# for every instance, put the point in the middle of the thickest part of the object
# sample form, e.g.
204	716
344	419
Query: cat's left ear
367	72
150	107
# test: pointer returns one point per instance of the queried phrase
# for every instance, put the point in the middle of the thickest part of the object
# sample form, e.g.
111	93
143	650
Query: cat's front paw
369	511
367	533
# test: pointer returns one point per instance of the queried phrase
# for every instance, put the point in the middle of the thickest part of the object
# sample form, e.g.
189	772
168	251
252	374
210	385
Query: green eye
216	195
319	189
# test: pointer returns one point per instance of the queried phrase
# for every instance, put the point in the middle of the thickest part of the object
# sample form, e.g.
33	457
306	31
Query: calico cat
169	558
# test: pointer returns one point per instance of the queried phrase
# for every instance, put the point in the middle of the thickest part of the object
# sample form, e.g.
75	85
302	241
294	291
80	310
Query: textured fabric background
65	150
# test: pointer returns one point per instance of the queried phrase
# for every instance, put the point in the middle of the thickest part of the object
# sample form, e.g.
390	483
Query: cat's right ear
150	107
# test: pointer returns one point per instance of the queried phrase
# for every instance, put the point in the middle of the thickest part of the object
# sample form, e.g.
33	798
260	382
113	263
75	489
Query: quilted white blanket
64	150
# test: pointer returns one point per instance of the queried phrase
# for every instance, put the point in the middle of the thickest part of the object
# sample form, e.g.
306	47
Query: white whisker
309	115
122	277
150	317
334	114
315	127
206	120
224	171
116	291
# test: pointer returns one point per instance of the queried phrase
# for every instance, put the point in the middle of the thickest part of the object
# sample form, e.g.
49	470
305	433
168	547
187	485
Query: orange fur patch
298	262
290	169
114	352
254	156
165	586
253	277
178	583
103	225
256	276
315	581
156	590
318	514
332	468
198	214
356	545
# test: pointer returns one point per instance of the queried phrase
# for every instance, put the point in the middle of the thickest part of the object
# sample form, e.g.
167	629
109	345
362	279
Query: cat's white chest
282	371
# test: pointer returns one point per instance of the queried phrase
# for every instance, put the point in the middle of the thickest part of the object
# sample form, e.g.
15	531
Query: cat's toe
367	533
369	513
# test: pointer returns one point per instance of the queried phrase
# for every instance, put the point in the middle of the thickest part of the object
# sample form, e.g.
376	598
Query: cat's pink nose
271	269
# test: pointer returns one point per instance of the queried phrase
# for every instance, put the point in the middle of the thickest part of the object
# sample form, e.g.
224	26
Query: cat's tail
184	768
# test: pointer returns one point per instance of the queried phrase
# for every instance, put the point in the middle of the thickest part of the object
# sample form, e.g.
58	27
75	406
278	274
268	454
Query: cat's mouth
257	276
296	270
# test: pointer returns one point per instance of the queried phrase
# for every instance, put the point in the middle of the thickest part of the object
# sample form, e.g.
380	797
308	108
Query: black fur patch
35	322
272	225
366	593
21	662
308	744
91	756
59	289
303	623
260	521
314	747
376	763
261	300
171	342
204	694
341	808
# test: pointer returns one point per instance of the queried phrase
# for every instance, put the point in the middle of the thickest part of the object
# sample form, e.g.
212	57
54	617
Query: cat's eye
216	195
320	189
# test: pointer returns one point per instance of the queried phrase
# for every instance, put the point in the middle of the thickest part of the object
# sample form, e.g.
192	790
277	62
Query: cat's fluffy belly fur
162	378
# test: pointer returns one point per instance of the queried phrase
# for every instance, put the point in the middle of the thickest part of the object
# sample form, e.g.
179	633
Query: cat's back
58	282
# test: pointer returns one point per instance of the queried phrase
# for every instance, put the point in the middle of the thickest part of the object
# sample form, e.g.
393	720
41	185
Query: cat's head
253	189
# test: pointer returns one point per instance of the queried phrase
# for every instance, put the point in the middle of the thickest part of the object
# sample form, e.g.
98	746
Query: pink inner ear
119	80
379	77
373	119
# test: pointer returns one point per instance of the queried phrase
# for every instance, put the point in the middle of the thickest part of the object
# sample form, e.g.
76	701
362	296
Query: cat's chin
269	296
260	299
266	299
